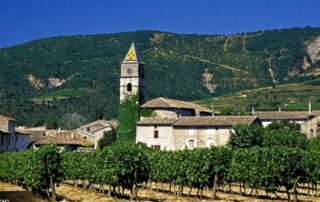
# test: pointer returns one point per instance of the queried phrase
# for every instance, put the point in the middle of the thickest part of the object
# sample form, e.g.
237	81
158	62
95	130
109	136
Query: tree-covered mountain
57	79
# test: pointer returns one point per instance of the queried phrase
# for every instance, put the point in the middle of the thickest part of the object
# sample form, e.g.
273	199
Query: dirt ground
70	193
14	193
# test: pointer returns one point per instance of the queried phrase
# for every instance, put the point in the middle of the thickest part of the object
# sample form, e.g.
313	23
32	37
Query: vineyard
127	166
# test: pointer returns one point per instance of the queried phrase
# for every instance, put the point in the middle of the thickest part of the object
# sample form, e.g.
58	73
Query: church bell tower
132	75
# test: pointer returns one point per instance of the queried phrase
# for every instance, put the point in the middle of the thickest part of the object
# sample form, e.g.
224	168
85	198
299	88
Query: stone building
9	139
308	120
300	117
94	131
188	132
132	75
66	140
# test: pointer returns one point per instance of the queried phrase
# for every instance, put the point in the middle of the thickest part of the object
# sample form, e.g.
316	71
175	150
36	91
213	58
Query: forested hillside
57	79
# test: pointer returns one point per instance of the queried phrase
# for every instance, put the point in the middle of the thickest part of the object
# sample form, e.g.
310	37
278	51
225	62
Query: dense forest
87	70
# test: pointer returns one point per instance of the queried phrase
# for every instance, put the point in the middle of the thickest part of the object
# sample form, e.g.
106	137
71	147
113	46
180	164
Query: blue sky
25	20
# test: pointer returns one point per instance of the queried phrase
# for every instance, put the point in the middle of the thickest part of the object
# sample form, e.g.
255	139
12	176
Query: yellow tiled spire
132	55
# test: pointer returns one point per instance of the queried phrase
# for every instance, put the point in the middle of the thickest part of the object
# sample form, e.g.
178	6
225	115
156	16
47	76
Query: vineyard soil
70	193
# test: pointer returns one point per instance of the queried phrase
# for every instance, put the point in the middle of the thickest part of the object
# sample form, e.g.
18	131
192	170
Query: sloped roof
35	136
133	54
64	140
285	115
99	125
162	102
157	121
200	121
216	121
6	118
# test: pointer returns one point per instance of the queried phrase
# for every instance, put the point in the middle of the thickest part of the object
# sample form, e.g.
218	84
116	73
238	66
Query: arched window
129	87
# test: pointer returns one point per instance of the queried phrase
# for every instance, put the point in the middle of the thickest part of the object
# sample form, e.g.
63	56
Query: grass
291	97
62	94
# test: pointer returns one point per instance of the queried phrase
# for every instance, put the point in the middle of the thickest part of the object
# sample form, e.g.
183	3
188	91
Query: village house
68	141
188	132
309	121
94	131
169	108
9	139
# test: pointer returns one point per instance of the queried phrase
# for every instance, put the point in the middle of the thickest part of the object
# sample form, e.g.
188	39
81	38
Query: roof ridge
165	100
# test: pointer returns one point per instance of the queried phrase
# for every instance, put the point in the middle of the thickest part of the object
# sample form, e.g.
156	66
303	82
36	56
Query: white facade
265	123
179	138
164	139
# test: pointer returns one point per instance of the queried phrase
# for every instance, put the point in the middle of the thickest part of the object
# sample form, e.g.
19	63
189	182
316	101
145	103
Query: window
88	129
17	138
156	147
311	131
129	87
156	134
155	126
191	144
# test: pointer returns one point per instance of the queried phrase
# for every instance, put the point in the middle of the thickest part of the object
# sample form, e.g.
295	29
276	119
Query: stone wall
202	136
4	125
145	134
173	113
310	127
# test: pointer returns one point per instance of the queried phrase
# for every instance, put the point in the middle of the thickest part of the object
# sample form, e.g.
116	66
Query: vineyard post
215	184
52	185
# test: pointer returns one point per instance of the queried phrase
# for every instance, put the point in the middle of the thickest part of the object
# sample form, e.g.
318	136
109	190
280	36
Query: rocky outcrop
55	82
35	82
313	49
208	81
51	83
306	64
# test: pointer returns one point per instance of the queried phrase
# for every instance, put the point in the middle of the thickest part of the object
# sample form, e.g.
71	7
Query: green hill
49	80
288	97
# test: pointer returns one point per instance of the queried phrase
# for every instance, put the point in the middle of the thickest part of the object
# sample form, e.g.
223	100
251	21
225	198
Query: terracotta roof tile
285	115
6	118
157	120
215	121
170	103
64	140
200	121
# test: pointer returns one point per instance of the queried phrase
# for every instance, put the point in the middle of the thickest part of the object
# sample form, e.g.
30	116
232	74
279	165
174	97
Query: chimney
279	109
310	108
252	110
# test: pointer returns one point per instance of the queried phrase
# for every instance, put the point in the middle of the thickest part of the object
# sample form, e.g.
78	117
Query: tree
285	137
108	138
246	136
276	125
72	120
129	114
128	117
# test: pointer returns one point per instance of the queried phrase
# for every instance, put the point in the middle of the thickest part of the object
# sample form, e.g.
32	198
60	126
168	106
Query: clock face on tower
129	70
